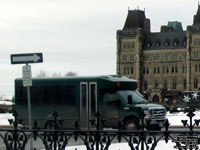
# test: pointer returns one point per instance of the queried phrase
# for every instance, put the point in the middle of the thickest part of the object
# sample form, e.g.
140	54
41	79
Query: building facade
165	63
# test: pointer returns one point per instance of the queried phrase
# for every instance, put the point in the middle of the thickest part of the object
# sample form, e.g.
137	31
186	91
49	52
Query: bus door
88	103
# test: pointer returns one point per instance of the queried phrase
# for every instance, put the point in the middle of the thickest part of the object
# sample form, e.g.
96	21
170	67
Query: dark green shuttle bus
79	98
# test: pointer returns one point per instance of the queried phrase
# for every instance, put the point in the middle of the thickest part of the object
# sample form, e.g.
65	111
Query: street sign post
26	58
27	77
26	73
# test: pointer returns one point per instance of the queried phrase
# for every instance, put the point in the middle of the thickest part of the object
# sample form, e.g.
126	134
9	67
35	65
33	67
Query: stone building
165	63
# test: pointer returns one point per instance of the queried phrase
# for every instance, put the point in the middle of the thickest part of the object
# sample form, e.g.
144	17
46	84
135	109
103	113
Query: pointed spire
196	20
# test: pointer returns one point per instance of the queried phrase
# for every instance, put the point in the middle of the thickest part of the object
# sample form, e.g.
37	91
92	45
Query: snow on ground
4	118
3	102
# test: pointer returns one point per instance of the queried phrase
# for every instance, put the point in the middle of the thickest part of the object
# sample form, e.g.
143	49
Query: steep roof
135	19
165	40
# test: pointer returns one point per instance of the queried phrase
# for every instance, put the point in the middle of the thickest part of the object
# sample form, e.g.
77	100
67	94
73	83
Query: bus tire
131	124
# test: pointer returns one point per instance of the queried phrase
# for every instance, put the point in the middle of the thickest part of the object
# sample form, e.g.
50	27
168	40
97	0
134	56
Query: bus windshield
136	97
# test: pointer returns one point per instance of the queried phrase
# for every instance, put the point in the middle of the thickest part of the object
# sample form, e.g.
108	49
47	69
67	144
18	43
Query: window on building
196	67
157	43
154	70
184	41
145	85
185	84
166	44
144	71
199	67
183	68
158	69
124	70
147	70
127	69
195	83
163	69
148	44
174	85
131	70
167	69
172	69
176	69
176	42
156	84
165	85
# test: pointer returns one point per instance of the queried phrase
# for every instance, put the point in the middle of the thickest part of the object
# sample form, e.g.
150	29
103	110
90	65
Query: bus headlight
147	113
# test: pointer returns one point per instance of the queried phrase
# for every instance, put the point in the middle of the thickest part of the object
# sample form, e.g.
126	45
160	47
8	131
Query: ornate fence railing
57	138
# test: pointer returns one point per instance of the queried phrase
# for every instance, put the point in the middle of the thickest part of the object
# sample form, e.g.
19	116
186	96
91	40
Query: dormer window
176	42
184	42
158	43
166	44
148	44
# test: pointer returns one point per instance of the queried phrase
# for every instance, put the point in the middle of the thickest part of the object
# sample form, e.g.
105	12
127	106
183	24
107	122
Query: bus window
68	95
36	95
21	95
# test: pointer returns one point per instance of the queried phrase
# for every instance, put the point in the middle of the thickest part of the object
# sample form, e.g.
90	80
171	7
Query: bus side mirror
130	100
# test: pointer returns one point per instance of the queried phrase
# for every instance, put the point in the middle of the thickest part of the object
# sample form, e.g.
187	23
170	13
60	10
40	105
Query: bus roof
103	81
105	77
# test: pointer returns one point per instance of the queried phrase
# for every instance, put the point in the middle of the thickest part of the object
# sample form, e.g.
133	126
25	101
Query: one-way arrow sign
26	58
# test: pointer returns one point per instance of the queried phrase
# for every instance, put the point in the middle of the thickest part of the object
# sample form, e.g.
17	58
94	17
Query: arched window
147	70
156	84
154	70
167	69
183	68
176	69
196	67
195	83
145	85
131	70
158	69
165	85
172	69
174	85
185	84
144	71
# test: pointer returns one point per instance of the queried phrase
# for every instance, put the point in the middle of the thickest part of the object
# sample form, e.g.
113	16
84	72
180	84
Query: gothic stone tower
129	45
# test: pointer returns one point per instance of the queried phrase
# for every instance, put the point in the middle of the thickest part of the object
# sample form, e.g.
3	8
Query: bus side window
21	95
35	95
69	95
47	95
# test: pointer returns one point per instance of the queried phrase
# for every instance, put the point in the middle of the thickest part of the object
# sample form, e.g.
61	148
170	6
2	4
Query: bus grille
158	113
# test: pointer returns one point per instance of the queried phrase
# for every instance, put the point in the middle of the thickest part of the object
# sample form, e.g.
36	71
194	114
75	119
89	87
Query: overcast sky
74	35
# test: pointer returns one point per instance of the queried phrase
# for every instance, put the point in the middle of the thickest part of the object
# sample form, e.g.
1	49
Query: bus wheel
131	125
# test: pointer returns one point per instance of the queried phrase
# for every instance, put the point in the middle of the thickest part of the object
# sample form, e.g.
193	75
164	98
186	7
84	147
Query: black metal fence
58	138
